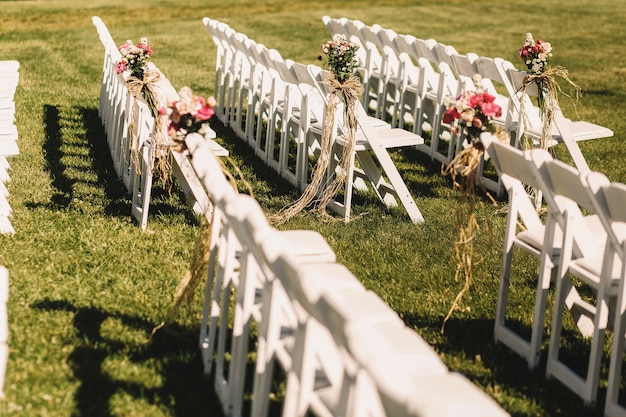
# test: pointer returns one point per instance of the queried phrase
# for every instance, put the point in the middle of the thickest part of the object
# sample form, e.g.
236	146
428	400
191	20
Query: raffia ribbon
186	288
148	86
548	100
348	92
464	164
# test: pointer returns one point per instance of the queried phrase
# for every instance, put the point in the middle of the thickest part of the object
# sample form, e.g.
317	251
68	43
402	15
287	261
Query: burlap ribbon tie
148	86
547	99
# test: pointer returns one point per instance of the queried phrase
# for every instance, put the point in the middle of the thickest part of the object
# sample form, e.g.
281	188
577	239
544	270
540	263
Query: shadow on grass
68	134
53	156
470	346
102	164
183	391
75	147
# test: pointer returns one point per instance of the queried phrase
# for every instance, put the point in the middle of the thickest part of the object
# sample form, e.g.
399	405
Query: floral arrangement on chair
471	115
341	64
536	55
142	79
340	57
134	57
189	114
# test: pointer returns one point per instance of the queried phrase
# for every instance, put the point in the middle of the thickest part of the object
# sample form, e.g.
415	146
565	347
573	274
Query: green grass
87	286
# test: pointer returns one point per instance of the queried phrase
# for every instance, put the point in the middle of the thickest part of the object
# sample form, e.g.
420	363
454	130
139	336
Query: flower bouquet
189	114
471	114
134	57
536	55
142	80
340	57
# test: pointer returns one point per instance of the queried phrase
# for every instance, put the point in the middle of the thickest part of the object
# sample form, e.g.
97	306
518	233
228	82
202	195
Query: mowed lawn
87	285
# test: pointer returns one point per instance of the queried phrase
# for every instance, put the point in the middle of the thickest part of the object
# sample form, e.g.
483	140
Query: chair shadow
472	340
57	147
53	155
102	163
189	393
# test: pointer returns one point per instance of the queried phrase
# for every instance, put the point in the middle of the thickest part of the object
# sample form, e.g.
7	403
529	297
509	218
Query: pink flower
120	67
205	112
491	110
476	100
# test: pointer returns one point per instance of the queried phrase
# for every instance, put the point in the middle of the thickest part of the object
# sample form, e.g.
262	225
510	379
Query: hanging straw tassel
348	92
193	276
548	101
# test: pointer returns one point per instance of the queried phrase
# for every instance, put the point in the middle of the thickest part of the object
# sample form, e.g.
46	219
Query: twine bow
547	98
148	86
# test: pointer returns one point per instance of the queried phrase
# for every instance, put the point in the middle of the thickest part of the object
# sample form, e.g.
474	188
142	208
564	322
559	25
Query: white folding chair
583	257
219	32
237	221
381	172
4	326
387	101
563	130
409	92
370	61
440	83
449	394
610	200
516	173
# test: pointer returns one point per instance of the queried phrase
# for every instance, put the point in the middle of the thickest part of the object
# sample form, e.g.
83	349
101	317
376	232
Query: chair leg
612	406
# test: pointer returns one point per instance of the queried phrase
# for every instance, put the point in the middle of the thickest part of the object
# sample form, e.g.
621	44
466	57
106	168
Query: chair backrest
610	200
516	172
567	194
511	162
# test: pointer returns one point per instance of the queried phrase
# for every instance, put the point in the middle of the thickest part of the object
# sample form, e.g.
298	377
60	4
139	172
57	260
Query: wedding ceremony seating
609	200
441	74
130	126
9	80
585	256
576	245
340	349
525	230
313	324
261	92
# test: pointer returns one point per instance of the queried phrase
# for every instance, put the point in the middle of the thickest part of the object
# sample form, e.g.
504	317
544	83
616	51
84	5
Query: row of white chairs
278	107
9	79
133	157
583	240
342	350
410	78
4	326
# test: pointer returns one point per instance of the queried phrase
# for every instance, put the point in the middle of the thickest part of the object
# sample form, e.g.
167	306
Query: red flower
451	115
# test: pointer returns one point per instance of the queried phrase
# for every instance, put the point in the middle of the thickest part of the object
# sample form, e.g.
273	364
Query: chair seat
534	237
581	130
308	246
593	264
391	138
